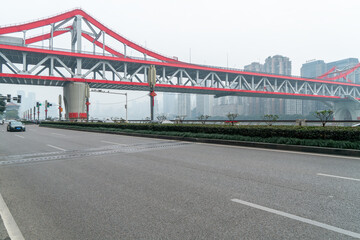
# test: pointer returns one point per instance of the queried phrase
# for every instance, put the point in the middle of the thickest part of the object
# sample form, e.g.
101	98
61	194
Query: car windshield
16	124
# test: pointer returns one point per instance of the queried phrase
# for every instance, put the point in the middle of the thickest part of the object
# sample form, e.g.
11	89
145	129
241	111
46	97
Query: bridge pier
347	110
75	96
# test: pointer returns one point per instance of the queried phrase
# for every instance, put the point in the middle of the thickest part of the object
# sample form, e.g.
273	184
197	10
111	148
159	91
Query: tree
203	118
180	118
161	118
270	119
231	117
324	116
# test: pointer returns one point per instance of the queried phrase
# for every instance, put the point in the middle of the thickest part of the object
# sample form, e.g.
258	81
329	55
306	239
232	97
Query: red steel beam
70	14
166	64
327	73
46	36
344	74
50	78
40	23
99	44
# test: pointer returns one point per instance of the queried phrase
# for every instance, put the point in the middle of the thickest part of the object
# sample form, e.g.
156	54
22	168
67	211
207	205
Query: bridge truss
23	62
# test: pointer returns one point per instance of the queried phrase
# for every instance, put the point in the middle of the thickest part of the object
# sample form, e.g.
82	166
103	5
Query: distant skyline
233	33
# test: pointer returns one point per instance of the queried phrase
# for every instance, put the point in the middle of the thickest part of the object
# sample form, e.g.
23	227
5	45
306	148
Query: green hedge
278	140
324	133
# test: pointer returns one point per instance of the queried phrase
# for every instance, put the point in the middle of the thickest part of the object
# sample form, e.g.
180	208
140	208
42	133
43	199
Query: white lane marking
58	134
283	151
32	130
112	143
19	136
301	219
11	227
334	176
56	147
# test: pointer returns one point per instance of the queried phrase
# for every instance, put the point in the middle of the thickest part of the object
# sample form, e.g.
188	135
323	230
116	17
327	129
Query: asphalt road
62	184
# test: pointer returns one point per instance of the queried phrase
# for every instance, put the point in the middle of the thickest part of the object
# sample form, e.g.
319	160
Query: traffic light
38	104
8	98
47	104
19	99
2	105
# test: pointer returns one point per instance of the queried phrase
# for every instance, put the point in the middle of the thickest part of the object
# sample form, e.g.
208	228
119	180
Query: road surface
63	184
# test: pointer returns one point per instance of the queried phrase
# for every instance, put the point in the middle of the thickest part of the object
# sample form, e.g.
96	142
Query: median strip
154	131
297	218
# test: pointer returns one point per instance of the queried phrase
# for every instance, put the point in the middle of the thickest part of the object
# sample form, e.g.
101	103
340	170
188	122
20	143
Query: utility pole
60	109
87	103
46	106
152	82
38	110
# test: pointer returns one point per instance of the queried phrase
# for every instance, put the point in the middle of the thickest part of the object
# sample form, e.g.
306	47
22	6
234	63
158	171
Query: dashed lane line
59	134
301	219
58	148
19	136
334	176
113	143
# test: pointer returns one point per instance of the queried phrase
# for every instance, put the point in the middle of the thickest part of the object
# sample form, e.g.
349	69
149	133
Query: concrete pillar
75	94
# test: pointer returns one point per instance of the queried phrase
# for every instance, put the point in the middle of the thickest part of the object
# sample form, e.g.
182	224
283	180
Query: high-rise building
253	106
228	104
204	105
346	64
316	68
184	105
278	65
254	67
313	69
169	104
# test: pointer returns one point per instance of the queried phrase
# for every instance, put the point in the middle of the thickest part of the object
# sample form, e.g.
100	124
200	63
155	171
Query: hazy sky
245	31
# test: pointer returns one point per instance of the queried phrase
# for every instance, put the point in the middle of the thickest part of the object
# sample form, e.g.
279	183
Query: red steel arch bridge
24	61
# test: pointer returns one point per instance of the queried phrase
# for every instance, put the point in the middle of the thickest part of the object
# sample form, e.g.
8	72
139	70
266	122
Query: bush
328	133
147	129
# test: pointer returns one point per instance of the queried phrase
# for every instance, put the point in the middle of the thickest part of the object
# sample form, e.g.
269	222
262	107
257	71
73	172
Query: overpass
24	61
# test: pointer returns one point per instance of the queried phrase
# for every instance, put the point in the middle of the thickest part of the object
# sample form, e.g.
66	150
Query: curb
296	148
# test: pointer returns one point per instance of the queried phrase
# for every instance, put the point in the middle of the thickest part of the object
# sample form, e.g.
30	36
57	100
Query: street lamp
126	101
